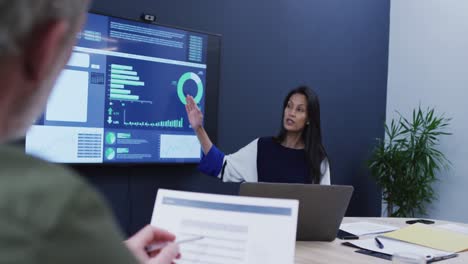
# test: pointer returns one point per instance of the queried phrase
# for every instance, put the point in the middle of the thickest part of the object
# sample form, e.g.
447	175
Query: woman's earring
308	123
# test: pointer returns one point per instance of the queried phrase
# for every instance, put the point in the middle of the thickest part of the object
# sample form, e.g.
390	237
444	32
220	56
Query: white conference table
334	252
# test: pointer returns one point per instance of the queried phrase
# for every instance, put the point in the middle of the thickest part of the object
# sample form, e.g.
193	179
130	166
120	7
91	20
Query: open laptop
321	207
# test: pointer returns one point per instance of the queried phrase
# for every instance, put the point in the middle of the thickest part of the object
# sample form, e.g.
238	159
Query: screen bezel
211	100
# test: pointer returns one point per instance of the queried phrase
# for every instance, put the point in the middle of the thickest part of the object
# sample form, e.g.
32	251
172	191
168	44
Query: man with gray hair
47	213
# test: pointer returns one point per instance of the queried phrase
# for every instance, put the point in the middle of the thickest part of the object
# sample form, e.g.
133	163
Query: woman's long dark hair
312	133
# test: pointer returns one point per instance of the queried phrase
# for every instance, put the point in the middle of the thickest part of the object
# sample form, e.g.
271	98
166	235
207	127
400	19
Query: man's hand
145	237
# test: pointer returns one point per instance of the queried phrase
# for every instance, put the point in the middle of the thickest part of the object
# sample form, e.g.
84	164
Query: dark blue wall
339	47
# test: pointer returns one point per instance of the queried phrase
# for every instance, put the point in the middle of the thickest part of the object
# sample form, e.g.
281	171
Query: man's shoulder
35	193
18	170
31	188
52	214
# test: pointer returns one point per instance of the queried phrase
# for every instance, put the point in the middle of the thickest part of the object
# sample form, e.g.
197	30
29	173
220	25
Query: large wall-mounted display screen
121	97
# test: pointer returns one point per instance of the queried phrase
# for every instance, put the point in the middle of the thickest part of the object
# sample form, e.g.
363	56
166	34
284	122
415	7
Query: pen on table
160	245
378	242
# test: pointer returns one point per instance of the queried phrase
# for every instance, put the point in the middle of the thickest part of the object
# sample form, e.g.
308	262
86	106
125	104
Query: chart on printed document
221	243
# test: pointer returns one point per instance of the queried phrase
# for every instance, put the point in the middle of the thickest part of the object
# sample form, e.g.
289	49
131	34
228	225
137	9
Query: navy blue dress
275	163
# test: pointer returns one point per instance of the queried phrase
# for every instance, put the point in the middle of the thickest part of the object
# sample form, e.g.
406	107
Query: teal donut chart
180	87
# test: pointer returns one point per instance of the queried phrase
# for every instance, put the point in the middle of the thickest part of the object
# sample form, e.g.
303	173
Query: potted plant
406	162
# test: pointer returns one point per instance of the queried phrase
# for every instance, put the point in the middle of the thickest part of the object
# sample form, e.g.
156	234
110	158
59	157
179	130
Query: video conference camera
148	18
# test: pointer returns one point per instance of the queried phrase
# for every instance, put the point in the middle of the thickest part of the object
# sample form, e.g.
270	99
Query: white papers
366	228
455	228
236	230
392	246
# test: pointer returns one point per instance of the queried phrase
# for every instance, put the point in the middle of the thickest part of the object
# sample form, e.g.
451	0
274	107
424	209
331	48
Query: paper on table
235	230
366	228
432	237
455	228
392	246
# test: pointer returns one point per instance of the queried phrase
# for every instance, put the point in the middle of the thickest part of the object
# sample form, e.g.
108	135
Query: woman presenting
296	155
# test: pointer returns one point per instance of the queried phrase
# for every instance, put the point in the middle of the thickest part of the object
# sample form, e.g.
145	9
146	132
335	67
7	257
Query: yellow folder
430	236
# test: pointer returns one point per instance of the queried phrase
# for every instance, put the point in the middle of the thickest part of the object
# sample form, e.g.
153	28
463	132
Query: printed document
366	228
392	247
235	230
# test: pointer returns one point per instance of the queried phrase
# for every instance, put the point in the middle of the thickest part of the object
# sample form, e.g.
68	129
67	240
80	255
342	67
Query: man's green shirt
48	214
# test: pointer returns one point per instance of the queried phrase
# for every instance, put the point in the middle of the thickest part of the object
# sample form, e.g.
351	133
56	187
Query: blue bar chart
123	79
